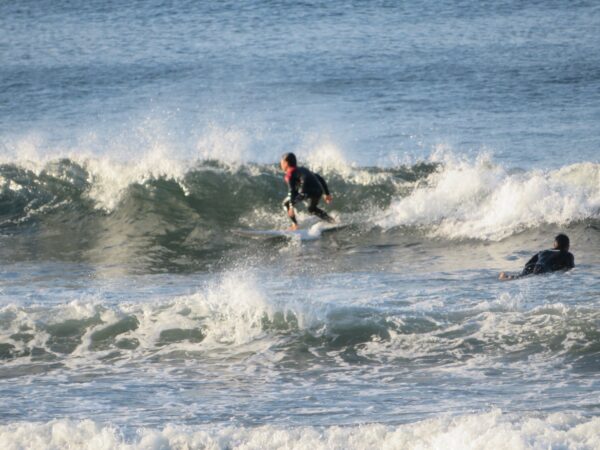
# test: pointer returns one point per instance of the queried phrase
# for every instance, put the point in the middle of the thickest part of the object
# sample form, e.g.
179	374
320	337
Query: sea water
458	138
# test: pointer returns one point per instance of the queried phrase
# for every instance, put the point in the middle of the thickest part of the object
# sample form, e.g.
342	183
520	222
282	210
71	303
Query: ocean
457	138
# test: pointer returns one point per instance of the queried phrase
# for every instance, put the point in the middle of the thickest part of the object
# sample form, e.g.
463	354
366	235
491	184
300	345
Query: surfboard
270	234
304	234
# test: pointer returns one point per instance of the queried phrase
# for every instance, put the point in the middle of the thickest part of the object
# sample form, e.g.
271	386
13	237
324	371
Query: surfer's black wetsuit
304	185
549	261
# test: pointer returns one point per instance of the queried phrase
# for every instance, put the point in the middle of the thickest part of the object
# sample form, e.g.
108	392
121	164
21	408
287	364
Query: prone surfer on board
559	258
303	185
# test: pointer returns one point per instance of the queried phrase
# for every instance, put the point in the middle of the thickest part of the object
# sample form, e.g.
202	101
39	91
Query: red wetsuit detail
288	174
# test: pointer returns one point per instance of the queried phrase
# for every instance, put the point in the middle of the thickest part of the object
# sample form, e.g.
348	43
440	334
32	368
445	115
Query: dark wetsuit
304	185
549	261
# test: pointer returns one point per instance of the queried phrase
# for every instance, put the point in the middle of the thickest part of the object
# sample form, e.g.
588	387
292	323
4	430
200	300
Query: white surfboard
304	234
271	234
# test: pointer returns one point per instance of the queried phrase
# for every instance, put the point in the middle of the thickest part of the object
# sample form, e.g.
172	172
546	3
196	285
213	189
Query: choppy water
457	138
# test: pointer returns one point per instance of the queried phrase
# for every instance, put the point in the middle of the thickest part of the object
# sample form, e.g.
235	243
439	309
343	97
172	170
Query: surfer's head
288	160
561	242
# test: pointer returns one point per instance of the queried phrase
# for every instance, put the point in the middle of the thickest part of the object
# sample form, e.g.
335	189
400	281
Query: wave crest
170	215
481	200
493	429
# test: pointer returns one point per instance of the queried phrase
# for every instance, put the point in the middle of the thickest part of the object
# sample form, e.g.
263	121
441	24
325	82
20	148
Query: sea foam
482	200
489	430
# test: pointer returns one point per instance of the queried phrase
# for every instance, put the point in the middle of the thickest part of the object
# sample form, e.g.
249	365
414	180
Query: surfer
303	185
559	258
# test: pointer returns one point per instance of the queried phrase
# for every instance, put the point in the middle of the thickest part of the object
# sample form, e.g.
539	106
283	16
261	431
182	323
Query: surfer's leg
316	211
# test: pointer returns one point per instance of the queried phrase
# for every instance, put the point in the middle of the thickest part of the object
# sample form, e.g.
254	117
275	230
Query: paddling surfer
303	185
558	258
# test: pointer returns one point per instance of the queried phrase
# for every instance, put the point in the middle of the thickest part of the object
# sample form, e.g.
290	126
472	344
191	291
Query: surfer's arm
293	196
323	184
527	270
505	276
530	265
571	262
288	205
326	192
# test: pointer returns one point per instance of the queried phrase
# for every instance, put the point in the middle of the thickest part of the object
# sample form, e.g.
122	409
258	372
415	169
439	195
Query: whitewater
137	140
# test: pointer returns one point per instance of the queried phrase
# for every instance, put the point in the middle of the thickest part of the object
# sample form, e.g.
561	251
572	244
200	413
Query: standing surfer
303	185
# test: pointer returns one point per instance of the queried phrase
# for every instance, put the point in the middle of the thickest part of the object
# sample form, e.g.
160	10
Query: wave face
169	217
94	210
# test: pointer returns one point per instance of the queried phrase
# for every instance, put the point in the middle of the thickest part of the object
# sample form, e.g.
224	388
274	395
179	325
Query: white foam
110	179
488	430
148	153
230	312
227	145
326	157
480	335
110	172
482	200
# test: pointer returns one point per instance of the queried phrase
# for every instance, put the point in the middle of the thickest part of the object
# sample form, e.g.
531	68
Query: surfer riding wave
303	185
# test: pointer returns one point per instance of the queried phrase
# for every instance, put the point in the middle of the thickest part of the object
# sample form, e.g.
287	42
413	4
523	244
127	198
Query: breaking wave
482	200
176	213
493	429
237	316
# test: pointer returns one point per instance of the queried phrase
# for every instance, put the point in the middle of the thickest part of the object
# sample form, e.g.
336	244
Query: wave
93	210
175	213
211	186
236	316
493	429
482	200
